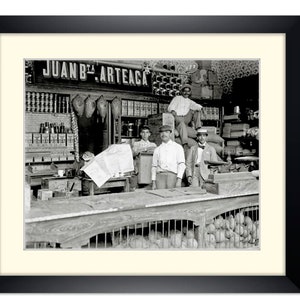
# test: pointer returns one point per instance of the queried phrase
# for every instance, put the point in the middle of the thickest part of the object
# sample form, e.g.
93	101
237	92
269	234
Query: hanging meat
90	106
116	107
102	107
78	104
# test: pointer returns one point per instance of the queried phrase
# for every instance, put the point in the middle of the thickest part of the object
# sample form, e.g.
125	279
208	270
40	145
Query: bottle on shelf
51	128
124	128
42	128
130	129
62	128
47	128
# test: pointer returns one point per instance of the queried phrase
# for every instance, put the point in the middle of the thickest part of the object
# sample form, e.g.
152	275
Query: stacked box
233	143
130	108
137	106
143	109
28	140
217	92
206	92
217	117
212	77
37	139
226	130
45	139
61	139
38	157
124	108
53	139
149	109
239	133
70	140
154	108
44	194
239	126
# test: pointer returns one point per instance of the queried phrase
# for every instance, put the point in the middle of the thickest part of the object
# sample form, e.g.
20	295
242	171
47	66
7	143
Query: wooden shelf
129	137
47	113
135	117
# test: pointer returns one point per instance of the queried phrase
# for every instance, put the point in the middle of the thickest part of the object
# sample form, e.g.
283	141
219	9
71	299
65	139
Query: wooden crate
60	184
155	121
231	183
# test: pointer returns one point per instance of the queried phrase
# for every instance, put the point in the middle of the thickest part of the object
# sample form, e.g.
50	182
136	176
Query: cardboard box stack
233	130
204	82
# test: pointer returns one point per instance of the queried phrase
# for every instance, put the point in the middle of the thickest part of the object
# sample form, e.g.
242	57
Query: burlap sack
218	148
214	138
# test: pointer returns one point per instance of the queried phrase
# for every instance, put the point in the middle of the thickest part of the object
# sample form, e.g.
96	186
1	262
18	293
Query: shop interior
83	117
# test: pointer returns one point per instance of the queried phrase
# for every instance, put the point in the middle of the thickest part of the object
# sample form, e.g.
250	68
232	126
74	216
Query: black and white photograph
145	154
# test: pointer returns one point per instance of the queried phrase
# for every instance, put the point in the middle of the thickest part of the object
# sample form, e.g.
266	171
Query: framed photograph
40	54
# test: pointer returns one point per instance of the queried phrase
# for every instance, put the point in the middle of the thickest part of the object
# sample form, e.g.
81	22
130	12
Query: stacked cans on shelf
42	102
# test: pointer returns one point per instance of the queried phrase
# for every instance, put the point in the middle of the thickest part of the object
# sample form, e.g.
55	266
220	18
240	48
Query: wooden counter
71	222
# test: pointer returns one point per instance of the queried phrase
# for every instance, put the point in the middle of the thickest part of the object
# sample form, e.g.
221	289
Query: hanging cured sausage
116	107
102	107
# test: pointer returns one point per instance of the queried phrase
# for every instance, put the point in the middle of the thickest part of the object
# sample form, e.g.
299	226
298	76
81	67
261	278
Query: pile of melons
237	231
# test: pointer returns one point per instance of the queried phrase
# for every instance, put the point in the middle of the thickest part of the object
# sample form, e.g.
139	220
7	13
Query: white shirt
200	151
168	157
183	105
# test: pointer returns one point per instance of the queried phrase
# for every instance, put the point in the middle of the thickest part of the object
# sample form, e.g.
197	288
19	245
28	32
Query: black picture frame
290	26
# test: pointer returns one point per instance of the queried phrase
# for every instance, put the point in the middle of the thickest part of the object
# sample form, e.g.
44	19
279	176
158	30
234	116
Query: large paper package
114	160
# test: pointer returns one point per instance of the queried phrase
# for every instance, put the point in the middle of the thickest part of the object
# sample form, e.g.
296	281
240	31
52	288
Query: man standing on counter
186	112
168	162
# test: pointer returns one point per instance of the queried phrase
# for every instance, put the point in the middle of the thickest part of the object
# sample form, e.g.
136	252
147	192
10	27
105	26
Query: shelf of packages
34	178
135	117
47	102
136	123
41	157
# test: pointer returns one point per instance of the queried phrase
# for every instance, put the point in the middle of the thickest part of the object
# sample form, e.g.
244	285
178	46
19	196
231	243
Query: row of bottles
52	128
131	128
47	102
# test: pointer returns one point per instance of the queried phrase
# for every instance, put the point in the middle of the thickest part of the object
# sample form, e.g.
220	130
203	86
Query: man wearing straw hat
185	112
196	170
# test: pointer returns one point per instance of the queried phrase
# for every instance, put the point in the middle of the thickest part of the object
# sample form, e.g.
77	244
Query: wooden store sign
100	74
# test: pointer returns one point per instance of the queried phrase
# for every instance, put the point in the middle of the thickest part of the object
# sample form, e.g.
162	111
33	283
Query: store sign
102	74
